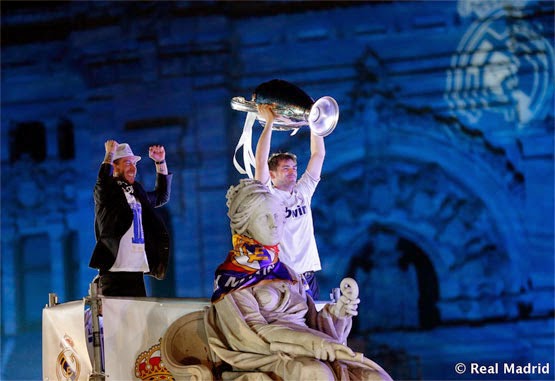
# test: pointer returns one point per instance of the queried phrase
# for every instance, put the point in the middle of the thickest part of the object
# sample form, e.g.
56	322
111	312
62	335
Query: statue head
255	212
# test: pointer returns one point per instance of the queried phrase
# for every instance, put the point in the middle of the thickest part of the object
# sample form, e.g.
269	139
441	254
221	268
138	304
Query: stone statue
261	318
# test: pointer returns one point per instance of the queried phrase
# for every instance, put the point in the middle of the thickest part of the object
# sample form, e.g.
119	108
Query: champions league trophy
292	106
293	109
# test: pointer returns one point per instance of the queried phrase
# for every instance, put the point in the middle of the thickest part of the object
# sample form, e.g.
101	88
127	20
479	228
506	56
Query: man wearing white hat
131	239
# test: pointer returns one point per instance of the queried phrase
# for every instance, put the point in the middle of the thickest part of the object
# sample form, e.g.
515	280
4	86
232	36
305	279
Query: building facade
437	189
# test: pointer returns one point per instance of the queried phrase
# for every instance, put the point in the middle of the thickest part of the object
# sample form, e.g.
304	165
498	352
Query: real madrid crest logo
503	64
67	363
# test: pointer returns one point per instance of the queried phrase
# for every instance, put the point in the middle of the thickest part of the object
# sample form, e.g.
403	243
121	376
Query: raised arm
100	193
262	172
158	154
161	194
317	155
110	147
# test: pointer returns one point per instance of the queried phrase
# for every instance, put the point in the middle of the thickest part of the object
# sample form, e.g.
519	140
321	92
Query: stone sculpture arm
284	336
339	355
327	351
335	319
347	305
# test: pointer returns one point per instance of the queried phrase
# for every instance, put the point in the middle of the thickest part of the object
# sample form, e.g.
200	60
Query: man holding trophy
280	105
279	172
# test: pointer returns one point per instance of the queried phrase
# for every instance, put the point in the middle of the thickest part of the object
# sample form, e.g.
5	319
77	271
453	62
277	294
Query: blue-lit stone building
437	190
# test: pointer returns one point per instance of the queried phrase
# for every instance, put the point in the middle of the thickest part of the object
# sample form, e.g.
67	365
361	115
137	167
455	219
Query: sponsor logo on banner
67	363
149	365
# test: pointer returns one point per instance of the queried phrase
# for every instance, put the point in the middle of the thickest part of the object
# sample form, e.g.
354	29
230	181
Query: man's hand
110	146
157	153
266	112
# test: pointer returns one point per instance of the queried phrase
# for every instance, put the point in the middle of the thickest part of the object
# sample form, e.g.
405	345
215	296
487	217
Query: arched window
28	139
398	284
428	286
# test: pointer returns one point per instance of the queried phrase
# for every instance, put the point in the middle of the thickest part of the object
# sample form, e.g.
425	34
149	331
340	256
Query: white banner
132	332
64	344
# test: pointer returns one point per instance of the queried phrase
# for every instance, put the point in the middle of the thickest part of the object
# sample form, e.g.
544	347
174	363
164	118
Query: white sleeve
306	186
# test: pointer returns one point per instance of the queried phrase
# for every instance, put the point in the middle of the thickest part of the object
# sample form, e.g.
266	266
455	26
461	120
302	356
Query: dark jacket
113	217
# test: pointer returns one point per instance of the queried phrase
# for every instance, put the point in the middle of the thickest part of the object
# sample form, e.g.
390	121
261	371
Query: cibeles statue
261	318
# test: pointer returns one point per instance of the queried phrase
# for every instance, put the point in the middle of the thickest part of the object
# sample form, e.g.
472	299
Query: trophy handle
241	104
323	116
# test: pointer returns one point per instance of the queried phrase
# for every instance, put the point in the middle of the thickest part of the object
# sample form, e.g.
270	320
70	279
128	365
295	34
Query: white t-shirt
298	246
131	252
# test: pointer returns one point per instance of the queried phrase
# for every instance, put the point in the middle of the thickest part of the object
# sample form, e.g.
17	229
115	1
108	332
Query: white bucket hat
124	150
